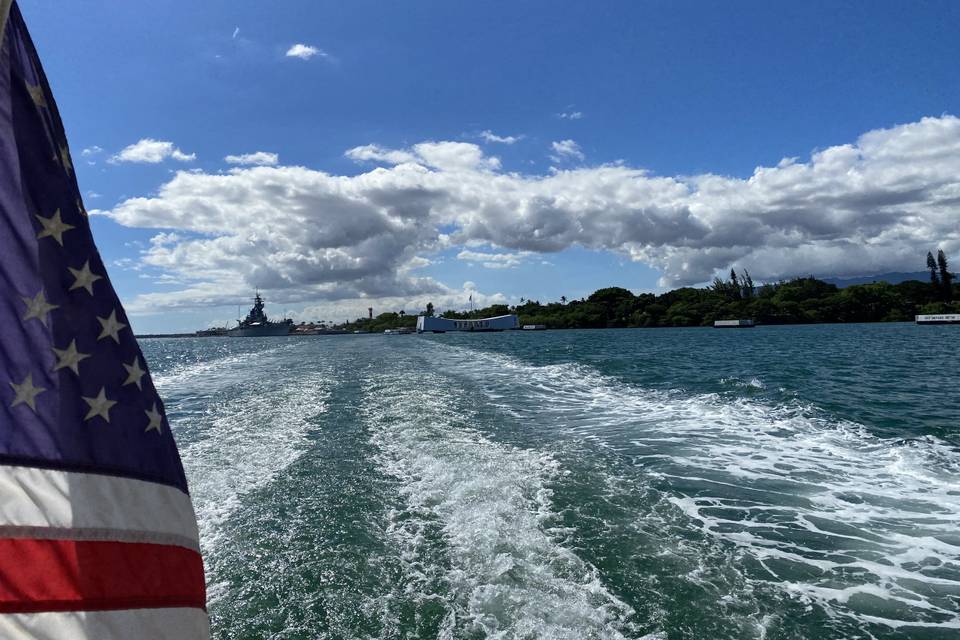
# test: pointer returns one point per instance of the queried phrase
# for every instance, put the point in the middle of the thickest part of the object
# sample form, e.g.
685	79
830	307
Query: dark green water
781	482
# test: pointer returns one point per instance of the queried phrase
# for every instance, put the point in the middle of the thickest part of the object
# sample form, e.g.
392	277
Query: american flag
98	537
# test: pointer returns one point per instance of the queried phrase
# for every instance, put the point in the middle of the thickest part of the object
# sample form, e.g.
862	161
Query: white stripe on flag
139	624
45	503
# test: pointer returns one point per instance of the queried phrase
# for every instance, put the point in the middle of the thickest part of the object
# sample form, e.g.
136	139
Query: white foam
487	505
874	521
205	369
241	440
755	383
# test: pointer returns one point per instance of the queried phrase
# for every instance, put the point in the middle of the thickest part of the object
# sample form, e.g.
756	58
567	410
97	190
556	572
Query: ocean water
780	482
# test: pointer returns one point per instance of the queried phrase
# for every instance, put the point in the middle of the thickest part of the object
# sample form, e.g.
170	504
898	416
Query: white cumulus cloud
565	150
376	153
490	136
259	158
305	52
493	260
875	204
449	156
151	151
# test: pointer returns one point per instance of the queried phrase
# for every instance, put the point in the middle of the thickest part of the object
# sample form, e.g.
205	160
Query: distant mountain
893	277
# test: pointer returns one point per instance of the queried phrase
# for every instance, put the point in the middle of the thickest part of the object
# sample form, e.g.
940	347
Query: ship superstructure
256	323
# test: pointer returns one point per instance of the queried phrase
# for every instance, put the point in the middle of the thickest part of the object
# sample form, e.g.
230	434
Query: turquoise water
781	482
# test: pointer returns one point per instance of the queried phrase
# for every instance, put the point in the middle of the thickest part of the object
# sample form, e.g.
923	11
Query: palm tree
946	278
563	299
932	265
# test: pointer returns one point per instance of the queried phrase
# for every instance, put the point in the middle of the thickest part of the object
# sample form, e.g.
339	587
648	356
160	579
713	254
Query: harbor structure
256	324
938	318
734	324
305	329
212	332
430	324
534	327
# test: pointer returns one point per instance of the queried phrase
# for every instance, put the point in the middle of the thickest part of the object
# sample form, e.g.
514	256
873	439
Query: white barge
733	324
431	324
938	318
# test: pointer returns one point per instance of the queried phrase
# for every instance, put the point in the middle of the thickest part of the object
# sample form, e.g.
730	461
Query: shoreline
151	336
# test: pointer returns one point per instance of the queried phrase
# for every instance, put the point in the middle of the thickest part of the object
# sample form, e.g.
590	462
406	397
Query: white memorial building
430	324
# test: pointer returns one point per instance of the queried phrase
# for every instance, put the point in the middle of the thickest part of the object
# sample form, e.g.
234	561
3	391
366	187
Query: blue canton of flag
98	538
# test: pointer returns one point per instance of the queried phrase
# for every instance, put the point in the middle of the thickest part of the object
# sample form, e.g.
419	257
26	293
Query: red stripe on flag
83	575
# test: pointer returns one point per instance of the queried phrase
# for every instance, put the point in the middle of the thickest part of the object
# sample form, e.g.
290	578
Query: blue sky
638	129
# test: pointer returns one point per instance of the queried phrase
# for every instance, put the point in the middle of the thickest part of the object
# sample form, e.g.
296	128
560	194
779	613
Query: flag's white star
36	94
155	419
26	393
38	307
99	405
53	227
134	373
65	158
84	278
69	358
111	327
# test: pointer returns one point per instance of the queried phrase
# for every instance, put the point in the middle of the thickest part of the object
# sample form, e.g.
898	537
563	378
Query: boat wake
472	527
173	367
239	422
855	531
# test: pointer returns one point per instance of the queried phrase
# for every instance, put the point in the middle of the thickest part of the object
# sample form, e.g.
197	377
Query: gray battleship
256	324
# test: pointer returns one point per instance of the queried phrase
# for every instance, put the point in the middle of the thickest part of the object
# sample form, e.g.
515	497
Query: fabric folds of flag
98	537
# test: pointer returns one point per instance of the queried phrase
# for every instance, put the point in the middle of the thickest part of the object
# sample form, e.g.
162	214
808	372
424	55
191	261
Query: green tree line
800	300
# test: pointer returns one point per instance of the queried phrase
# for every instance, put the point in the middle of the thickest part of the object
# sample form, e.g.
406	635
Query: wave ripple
864	529
472	523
